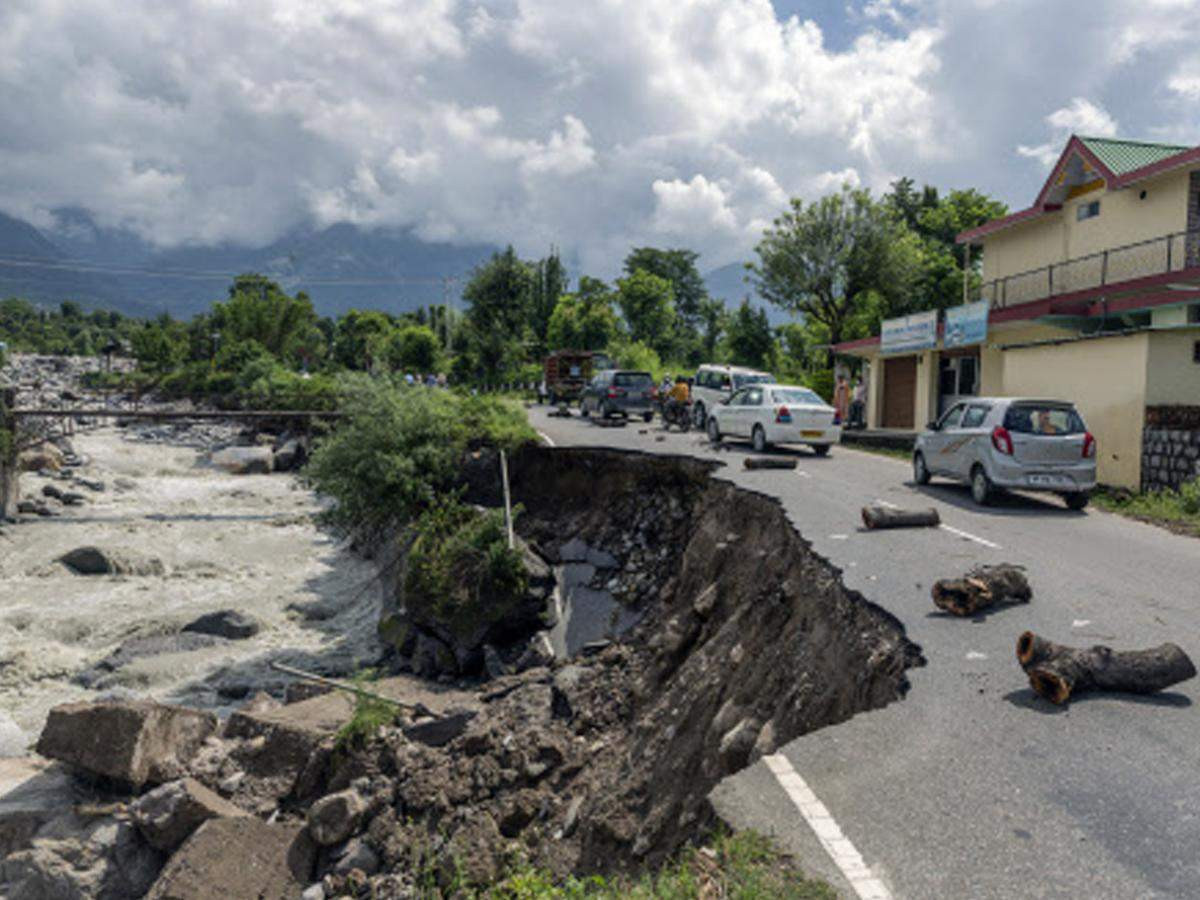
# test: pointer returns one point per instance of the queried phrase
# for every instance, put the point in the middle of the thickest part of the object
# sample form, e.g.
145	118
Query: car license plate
1046	480
811	433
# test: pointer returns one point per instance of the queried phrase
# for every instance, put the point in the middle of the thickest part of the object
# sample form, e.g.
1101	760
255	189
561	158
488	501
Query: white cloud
1081	117
593	126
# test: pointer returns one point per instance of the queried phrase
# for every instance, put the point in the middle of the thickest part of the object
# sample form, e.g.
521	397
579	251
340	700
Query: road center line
962	534
828	832
545	437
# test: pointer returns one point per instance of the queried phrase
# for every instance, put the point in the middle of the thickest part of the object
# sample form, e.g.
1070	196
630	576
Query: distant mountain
340	267
728	283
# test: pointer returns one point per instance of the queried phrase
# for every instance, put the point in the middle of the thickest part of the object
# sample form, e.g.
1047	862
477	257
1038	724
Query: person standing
858	404
841	397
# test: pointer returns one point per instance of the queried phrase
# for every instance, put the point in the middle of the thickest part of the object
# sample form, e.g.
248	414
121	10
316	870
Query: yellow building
1092	295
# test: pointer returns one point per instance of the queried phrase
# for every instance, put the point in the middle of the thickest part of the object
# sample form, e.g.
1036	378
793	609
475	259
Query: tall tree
586	319
826	259
714	319
677	266
647	303
498	300
259	310
549	284
749	337
363	338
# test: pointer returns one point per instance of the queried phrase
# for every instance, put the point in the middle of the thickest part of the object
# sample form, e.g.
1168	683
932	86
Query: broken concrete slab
135	742
167	815
239	857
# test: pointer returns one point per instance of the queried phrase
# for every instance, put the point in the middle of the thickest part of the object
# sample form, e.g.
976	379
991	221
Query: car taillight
837	418
1089	445
783	416
613	392
1002	440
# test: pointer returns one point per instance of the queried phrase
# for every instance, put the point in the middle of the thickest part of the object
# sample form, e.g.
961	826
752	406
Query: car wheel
981	486
698	417
552	399
1076	500
820	449
647	416
759	438
920	470
583	408
714	431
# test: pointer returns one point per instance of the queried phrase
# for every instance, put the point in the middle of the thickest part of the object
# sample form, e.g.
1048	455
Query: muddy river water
242	542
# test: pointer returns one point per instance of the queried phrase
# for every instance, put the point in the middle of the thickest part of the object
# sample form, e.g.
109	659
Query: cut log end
1057	672
1050	685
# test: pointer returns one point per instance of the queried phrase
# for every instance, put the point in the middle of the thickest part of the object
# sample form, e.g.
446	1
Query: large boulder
291	454
45	457
169	814
335	817
134	742
241	857
245	460
100	561
227	623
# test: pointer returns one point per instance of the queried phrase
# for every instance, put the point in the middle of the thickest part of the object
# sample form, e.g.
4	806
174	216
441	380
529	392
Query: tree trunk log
1057	672
980	588
769	462
886	517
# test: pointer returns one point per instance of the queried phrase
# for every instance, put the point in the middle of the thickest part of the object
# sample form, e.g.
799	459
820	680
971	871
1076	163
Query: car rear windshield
632	379
796	395
1043	418
740	380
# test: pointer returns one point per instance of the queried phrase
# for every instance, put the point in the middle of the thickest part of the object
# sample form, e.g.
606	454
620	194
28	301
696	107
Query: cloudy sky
591	124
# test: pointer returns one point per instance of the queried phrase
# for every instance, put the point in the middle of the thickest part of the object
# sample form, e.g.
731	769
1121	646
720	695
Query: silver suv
1007	442
715	384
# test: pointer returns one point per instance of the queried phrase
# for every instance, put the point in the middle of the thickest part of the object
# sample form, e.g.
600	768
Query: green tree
498	301
549	284
159	346
828	259
679	268
714	318
586	319
259	310
749	338
362	339
647	303
414	349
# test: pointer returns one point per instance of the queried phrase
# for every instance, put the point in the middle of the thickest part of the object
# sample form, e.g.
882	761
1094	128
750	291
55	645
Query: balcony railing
1156	256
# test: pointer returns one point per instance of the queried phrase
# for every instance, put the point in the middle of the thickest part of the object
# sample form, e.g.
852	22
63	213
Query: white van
716	383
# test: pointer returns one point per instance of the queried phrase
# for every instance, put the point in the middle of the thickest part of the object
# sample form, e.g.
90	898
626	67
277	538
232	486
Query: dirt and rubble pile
745	639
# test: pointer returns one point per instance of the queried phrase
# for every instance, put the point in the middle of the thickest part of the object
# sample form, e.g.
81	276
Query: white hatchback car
715	384
776	414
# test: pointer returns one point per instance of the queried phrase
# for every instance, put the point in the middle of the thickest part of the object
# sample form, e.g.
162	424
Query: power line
213	274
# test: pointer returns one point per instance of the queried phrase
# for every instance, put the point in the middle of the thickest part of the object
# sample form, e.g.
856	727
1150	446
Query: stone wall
1170	446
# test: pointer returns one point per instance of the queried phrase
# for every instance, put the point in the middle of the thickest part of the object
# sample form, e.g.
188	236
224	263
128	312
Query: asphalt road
972	786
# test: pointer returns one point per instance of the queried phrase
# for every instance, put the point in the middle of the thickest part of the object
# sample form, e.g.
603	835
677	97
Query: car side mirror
933	426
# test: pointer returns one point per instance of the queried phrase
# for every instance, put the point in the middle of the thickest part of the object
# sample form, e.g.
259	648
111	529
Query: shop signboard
907	333
966	324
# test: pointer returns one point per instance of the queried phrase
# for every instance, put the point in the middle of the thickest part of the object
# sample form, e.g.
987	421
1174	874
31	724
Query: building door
958	378
899	391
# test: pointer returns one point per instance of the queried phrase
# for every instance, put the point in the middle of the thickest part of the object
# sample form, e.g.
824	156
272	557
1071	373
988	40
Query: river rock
135	742
47	457
239	857
32	792
333	818
245	460
290	455
169	814
227	623
99	561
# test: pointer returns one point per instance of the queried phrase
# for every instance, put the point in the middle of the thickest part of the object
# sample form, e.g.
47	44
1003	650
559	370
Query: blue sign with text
966	324
915	332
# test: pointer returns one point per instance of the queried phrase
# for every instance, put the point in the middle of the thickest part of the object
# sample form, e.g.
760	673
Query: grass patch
741	866
1178	511
369	716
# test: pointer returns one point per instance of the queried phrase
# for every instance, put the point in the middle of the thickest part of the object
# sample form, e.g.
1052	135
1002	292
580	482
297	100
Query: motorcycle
676	414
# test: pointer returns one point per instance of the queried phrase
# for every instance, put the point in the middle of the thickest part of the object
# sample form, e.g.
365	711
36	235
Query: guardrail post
9	472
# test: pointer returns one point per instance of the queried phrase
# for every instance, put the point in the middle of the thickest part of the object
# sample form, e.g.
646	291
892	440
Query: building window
1087	210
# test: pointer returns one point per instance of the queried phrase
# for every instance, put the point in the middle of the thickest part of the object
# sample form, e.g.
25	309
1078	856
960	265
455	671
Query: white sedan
776	414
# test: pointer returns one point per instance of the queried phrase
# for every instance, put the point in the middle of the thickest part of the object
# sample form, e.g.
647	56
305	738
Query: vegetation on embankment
1177	511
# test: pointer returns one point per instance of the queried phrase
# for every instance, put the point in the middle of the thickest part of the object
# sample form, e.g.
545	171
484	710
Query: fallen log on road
876	516
980	588
1058	672
769	462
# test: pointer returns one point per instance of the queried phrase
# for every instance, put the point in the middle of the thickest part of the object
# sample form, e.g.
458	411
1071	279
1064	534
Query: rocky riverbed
208	541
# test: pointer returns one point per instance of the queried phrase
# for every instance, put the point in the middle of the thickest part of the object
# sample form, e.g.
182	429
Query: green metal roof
1123	157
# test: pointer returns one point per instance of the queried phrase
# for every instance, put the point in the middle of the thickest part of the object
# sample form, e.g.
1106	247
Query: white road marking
971	537
839	537
959	532
545	437
802	473
975	654
828	832
1080	623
